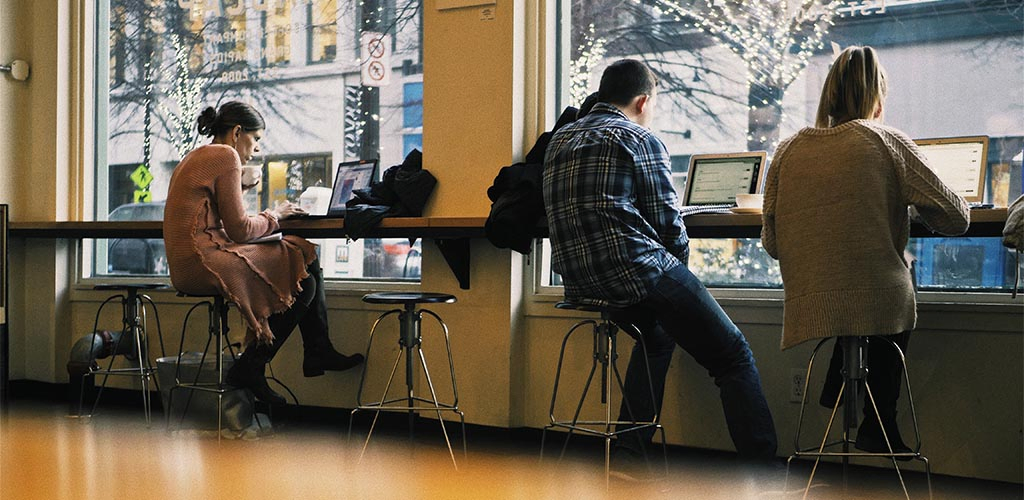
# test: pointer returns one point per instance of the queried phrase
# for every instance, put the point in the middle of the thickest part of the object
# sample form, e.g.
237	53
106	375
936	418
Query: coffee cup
749	201
251	176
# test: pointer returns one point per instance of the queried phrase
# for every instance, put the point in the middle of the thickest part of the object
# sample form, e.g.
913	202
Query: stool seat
408	298
576	306
127	286
410	342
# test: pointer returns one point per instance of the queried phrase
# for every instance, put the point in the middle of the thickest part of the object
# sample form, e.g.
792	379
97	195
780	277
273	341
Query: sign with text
375	59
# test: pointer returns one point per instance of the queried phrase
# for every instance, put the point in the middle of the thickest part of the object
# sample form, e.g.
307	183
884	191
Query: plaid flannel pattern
613	215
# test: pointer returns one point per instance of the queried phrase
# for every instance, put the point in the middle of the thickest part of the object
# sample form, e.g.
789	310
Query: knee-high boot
318	354
885	374
833	377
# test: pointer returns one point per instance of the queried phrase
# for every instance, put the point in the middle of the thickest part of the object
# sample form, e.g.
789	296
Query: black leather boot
318	352
247	373
870	438
885	373
316	361
833	378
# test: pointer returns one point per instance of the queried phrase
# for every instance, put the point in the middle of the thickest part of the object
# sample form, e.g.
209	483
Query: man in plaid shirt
618	239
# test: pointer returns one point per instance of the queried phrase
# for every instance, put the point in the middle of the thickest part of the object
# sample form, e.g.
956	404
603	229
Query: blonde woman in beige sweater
276	284
836	217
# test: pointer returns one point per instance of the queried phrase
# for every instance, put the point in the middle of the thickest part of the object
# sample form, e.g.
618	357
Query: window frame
95	191
537	266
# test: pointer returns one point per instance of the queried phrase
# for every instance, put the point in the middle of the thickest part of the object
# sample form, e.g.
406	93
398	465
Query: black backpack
517	208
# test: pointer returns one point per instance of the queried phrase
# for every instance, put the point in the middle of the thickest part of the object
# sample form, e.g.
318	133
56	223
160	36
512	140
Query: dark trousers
308	312
680	311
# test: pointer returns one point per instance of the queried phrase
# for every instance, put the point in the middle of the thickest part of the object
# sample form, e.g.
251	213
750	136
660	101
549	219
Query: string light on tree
185	90
775	40
591	53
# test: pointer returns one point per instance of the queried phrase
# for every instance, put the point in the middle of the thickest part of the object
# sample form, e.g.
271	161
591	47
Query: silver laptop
960	163
350	176
714	179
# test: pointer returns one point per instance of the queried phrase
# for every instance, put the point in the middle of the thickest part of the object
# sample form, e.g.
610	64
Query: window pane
976	264
135	256
168	59
371	259
733	263
412	100
717	262
740	76
323	31
277	34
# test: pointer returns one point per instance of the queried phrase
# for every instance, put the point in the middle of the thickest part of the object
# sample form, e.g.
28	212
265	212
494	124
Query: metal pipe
98	345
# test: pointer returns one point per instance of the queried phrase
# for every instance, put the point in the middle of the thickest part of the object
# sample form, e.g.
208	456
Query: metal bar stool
217	309
605	354
854	373
133	343
410	339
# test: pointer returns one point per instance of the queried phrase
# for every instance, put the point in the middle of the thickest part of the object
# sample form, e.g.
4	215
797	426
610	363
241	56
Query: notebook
960	164
713	180
350	176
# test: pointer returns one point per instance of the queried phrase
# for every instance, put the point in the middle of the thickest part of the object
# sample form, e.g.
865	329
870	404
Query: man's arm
656	197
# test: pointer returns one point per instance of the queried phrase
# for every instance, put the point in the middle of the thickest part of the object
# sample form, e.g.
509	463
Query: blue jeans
680	311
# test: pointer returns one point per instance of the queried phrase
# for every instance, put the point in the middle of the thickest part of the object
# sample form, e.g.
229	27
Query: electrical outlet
797	380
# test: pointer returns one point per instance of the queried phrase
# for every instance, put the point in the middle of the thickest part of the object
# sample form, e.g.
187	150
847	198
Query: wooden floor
46	455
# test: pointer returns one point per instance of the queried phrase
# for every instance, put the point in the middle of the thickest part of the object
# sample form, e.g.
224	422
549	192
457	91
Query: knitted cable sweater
836	218
205	234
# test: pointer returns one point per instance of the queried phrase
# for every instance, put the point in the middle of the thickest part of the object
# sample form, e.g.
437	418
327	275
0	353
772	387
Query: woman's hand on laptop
284	210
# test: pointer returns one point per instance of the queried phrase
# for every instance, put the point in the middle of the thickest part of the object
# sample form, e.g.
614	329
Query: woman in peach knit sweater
276	285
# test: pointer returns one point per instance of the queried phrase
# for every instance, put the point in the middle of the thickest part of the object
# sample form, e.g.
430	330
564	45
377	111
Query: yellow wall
468	113
12	95
965	361
35	166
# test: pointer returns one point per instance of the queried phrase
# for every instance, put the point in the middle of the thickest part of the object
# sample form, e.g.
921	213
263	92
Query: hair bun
206	121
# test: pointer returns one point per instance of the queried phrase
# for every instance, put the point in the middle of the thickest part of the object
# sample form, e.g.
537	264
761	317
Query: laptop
713	180
960	164
350	176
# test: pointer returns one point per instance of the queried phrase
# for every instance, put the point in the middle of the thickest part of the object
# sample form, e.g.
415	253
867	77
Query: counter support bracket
456	254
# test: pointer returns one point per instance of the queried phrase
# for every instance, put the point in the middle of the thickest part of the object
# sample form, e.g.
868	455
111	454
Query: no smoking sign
375	58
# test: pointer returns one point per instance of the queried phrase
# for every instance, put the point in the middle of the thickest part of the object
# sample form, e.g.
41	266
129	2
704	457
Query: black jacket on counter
403	192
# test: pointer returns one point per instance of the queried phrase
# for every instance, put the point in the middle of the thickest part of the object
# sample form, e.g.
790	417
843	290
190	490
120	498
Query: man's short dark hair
624	80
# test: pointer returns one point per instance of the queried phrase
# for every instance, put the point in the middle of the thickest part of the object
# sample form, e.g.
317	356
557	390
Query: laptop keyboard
705	209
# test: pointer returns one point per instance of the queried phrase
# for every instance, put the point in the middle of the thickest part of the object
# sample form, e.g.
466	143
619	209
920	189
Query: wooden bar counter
984	222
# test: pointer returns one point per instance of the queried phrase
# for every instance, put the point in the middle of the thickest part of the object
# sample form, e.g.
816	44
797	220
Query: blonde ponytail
855	86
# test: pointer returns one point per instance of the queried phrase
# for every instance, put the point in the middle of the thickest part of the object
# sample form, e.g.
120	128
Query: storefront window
168	59
740	76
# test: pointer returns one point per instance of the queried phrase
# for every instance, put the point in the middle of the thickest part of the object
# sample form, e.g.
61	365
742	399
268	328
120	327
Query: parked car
137	255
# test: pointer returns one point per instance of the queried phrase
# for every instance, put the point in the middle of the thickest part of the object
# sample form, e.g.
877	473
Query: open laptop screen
960	164
351	175
714	179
